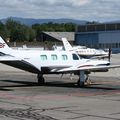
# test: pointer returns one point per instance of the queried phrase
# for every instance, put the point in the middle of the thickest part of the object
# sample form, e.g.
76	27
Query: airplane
85	52
51	62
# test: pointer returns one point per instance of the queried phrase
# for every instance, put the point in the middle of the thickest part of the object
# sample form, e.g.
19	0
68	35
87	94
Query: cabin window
64	57
43	57
75	57
54	57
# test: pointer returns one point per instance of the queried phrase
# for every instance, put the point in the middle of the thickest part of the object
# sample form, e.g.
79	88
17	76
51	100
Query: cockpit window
75	57
43	57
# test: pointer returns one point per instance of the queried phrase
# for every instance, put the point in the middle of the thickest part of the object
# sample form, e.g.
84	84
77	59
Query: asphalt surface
60	98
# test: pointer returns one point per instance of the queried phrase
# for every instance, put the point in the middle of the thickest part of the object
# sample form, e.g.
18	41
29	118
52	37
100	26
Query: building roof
58	35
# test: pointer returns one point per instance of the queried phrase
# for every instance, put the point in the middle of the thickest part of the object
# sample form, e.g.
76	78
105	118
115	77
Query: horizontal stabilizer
8	58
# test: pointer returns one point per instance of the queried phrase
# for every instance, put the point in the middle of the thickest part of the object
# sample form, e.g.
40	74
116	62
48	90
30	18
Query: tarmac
60	98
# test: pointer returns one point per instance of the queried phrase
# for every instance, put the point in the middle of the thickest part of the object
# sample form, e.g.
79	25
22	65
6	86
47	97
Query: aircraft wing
18	63
88	68
7	57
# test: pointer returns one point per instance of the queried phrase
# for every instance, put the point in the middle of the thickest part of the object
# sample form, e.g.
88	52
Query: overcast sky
91	10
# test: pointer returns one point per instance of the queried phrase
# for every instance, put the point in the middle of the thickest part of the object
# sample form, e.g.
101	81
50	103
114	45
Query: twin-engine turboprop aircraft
51	62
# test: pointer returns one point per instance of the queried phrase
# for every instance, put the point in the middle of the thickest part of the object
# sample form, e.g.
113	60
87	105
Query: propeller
109	54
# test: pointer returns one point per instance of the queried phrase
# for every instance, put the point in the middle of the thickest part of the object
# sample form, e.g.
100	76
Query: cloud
100	10
80	2
59	2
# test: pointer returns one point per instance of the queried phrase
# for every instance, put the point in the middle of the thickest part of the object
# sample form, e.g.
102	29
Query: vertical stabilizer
4	47
67	45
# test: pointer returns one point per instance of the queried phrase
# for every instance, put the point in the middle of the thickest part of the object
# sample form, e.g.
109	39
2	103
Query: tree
31	34
53	27
17	35
3	31
20	32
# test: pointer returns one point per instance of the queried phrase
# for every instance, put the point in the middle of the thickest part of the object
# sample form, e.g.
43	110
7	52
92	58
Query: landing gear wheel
80	84
81	81
41	80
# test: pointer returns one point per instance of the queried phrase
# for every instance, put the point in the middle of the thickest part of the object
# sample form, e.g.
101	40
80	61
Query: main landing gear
41	80
83	79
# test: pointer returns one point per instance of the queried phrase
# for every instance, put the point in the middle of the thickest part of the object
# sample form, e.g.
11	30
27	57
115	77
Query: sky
90	10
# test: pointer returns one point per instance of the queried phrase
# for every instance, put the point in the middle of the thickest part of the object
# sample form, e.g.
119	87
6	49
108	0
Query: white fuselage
89	51
54	60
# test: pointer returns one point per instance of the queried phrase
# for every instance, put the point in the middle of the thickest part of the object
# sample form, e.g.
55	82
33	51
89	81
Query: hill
30	21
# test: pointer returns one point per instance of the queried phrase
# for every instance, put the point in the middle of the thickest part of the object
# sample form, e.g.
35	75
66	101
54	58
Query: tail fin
67	45
3	46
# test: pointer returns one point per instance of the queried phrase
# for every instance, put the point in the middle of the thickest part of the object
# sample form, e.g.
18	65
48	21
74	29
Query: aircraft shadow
18	83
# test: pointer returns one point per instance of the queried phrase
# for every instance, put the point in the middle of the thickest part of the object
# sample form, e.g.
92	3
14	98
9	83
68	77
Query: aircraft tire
81	84
41	81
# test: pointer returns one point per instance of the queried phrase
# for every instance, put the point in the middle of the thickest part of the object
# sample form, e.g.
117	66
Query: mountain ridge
31	21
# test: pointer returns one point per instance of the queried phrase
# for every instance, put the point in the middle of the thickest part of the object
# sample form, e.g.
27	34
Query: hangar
56	36
105	35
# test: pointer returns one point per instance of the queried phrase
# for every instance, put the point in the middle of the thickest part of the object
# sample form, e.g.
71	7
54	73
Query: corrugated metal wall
100	39
109	37
99	35
88	39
